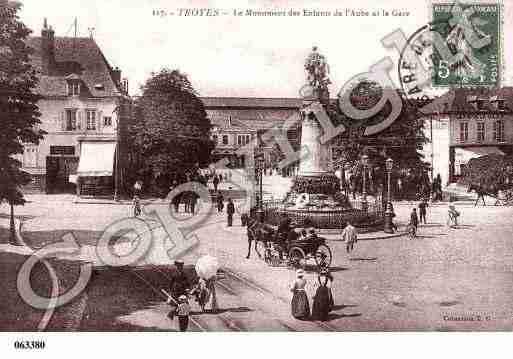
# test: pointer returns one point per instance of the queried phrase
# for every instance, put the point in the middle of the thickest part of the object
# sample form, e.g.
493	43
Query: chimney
116	76
47	48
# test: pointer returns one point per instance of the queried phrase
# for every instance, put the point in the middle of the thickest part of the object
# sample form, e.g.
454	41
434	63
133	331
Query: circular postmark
414	64
417	64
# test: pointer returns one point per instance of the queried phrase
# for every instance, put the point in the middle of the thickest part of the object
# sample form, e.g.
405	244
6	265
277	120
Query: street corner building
80	110
468	123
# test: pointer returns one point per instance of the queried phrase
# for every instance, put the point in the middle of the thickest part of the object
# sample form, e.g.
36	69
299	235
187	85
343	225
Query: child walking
183	312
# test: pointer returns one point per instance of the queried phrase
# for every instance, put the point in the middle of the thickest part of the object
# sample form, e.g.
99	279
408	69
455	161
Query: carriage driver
283	228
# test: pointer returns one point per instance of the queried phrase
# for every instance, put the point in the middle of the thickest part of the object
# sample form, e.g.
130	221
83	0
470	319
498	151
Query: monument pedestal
314	178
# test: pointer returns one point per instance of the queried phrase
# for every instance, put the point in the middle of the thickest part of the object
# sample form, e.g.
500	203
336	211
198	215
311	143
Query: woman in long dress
299	304
323	298
205	293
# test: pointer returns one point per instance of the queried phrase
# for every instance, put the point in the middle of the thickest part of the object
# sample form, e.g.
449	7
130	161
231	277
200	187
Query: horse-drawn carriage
277	249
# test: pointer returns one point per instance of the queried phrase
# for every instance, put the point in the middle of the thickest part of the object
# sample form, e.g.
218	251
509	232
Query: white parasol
206	267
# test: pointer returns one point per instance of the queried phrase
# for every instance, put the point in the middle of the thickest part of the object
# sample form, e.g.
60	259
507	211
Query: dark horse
258	232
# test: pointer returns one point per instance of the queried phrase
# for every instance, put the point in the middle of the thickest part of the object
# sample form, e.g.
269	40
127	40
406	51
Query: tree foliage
489	173
170	132
402	141
18	102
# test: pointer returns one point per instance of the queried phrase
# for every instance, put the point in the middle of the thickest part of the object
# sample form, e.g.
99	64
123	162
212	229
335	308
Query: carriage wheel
297	257
323	256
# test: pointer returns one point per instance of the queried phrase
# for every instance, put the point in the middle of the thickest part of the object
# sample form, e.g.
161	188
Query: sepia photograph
254	166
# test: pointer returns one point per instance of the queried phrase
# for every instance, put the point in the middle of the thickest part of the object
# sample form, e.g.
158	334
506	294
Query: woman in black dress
323	298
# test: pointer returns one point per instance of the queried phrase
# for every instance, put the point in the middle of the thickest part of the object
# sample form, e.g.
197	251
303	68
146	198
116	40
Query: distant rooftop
251	102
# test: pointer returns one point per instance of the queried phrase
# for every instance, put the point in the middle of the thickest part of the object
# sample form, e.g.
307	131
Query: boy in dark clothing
183	312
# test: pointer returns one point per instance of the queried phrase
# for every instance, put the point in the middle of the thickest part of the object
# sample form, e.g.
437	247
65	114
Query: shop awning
463	155
96	159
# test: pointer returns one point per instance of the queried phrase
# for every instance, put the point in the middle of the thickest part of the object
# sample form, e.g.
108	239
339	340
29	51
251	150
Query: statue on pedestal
317	70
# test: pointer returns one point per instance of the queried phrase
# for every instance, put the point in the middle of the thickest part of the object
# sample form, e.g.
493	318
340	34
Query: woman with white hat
299	304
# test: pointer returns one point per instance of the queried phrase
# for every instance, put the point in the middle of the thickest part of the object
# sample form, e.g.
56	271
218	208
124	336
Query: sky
229	55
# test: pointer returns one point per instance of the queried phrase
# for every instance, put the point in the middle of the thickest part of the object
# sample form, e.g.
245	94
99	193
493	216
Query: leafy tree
489	173
170	133
18	105
402	142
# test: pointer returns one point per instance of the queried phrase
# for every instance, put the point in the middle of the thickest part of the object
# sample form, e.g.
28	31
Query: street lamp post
389	214
365	162
259	172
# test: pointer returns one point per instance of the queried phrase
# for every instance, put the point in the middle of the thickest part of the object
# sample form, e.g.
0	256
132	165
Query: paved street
445	279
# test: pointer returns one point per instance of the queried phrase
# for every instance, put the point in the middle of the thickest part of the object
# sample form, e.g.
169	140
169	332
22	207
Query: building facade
481	123
80	93
238	121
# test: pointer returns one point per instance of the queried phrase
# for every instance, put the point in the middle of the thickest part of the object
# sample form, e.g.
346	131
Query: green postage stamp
469	51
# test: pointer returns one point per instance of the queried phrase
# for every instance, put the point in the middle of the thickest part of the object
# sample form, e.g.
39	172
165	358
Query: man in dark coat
230	210
220	201
179	281
215	181
284	226
414	219
423	210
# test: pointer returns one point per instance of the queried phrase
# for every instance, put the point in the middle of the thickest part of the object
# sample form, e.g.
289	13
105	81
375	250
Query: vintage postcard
255	166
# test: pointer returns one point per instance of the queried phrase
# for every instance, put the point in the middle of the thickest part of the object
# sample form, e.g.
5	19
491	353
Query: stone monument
315	198
315	184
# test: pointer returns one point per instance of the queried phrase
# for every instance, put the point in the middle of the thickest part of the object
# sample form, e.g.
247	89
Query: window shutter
80	119
62	120
99	120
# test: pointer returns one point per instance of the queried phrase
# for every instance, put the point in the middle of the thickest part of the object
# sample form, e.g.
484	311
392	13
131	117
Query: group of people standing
217	178
420	216
322	301
230	208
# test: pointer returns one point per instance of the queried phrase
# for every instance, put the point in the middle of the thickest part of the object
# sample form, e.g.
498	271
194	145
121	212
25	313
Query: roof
465	97
251	102
251	124
75	57
224	124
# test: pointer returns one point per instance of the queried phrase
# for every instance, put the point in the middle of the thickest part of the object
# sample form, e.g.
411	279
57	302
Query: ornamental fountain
315	197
